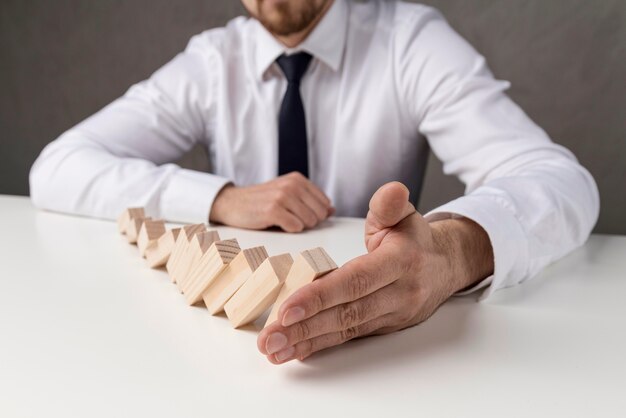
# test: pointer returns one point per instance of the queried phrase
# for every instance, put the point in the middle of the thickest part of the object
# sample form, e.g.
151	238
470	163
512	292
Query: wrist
467	250
220	206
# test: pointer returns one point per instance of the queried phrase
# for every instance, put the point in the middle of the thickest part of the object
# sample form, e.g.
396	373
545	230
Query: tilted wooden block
308	266
124	219
150	232
199	245
180	247
157	255
134	226
232	278
210	265
258	293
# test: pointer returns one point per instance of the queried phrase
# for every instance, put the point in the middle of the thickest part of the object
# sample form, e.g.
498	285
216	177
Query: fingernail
292	316
275	342
286	354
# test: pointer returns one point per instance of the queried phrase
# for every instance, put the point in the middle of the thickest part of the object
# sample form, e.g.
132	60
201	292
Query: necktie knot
294	66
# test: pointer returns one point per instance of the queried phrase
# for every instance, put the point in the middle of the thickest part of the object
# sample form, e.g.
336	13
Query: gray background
62	60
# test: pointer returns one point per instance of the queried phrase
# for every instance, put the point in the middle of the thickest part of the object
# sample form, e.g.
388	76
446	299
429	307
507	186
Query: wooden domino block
258	293
199	245
232	278
150	232
126	216
157	255
308	266
134	226
180	247
210	265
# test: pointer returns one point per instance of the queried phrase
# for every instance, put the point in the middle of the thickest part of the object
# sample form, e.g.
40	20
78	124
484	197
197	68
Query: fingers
354	280
343	317
319	209
303	199
305	348
287	221
389	205
312	196
301	210
317	193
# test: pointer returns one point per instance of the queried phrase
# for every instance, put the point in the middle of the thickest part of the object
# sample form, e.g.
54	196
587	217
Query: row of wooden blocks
242	283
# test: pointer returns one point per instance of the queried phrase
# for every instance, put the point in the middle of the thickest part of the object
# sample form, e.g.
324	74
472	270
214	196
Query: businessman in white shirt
314	107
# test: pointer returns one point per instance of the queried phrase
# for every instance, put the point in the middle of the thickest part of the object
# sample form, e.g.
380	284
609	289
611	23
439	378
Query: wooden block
258	293
210	265
157	255
124	219
308	266
199	245
232	278
134	226
150	232
182	241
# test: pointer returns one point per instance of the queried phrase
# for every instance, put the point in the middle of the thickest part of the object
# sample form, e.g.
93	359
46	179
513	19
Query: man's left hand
411	268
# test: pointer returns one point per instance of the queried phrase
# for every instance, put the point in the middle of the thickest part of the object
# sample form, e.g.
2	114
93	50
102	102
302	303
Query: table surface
87	329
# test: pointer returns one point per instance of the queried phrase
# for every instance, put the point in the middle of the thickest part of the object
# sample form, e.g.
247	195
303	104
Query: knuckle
285	188
281	198
319	300
358	285
303	331
406	315
274	202
348	315
304	349
349	333
311	220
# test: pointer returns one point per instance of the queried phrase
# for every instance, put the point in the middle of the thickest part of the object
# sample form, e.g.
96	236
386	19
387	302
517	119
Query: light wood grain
258	293
232	278
134	226
200	243
211	264
180	247
151	230
125	217
308	266
157	255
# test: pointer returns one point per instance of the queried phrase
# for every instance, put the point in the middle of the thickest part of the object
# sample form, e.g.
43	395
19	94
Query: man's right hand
291	202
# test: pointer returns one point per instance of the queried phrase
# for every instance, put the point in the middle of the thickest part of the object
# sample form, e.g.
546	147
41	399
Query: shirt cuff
507	237
189	195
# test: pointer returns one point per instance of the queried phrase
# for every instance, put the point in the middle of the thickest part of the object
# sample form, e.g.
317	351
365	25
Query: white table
88	330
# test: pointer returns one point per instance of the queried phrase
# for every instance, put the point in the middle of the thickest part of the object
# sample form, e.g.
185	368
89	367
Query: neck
294	39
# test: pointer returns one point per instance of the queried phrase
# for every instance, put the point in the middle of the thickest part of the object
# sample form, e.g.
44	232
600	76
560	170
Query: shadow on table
447	327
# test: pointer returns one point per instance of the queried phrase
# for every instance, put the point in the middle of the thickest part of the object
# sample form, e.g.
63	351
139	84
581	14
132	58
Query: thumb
389	205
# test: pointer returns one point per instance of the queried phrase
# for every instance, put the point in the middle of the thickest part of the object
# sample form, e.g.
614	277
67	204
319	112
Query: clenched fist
291	202
411	268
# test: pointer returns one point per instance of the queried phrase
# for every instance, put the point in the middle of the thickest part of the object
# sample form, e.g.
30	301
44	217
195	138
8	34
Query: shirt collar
326	42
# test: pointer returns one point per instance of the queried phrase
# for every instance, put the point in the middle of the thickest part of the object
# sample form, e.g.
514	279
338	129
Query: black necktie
292	143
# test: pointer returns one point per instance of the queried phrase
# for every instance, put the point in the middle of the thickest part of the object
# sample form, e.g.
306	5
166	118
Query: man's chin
280	19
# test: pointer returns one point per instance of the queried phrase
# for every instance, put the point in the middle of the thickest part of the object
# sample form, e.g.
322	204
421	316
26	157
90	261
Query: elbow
591	196
39	181
43	178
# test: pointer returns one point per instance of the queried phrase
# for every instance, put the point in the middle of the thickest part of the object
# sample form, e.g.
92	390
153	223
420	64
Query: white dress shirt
387	79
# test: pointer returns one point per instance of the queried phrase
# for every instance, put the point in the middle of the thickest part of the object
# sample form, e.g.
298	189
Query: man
337	98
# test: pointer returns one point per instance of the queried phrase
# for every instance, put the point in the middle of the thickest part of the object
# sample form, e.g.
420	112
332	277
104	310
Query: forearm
74	175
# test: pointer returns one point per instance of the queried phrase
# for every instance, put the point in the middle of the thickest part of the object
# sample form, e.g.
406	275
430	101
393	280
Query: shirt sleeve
118	158
531	196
